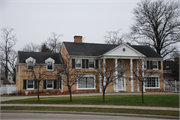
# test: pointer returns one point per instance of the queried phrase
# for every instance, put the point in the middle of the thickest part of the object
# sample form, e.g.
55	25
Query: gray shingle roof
40	57
92	49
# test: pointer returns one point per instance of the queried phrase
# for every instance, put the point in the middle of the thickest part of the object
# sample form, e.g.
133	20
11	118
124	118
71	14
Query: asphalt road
51	116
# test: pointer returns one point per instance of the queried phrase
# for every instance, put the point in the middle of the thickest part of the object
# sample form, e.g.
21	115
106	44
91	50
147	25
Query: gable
31	59
49	60
124	50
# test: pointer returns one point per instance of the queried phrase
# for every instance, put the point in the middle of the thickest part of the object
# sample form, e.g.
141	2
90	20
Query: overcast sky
34	20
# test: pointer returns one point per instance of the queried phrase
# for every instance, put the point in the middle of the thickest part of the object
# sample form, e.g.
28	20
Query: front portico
123	55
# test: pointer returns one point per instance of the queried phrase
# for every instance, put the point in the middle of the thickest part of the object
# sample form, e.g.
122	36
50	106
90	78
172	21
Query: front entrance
121	82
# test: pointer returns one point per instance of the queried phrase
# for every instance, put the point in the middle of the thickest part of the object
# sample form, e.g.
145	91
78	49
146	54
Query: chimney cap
77	36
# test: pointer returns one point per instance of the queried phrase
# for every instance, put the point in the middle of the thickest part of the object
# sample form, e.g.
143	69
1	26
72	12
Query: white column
131	74
100	85
137	75
143	75
116	76
62	85
104	71
175	86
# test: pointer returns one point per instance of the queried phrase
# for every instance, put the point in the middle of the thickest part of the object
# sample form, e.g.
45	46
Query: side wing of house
37	66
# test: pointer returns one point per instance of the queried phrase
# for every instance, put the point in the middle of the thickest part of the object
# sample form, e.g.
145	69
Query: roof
92	49
40	57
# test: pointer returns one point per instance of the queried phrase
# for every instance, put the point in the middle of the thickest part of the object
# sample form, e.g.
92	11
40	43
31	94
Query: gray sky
34	20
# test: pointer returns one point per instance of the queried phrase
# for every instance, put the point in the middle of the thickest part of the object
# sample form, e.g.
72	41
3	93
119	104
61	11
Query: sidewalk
96	106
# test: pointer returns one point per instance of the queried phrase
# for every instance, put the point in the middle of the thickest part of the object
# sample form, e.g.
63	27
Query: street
51	116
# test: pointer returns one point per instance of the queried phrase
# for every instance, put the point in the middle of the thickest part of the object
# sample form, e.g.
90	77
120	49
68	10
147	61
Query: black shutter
96	64
35	84
54	84
159	64
151	64
44	84
83	63
24	84
147	64
73	63
87	63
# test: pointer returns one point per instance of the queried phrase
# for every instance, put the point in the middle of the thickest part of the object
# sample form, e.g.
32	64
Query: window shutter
159	64
83	63
24	84
44	84
151	64
147	64
96	64
35	84
54	84
73	63
87	63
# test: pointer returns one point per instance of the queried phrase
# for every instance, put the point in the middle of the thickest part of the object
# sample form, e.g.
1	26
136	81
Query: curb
91	113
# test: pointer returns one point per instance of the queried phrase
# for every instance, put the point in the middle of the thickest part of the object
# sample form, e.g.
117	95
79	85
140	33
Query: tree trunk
70	94
142	92
104	95
38	89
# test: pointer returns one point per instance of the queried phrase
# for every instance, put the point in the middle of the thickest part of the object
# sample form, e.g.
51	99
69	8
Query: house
170	82
88	59
40	65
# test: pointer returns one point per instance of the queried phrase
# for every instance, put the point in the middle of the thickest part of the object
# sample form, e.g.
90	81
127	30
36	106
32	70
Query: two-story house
90	58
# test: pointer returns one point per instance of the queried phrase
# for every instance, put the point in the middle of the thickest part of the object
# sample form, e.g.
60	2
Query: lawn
132	100
107	110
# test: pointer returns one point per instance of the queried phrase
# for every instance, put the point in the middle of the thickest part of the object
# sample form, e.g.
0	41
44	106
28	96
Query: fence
172	86
7	89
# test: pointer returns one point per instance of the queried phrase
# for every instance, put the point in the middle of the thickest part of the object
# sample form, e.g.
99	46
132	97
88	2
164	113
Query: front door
121	83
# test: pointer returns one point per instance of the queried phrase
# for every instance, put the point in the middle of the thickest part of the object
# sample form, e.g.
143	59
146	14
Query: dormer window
50	64
30	63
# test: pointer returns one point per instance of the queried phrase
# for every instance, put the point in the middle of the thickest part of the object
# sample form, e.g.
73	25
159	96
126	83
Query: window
49	66
30	85
91	63
152	82
49	84
78	63
155	64
86	83
145	65
30	65
121	64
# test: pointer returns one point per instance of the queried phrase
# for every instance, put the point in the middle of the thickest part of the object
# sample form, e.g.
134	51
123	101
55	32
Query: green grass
132	100
107	110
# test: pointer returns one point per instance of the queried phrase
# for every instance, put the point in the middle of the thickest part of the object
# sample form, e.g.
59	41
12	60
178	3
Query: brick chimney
78	39
128	43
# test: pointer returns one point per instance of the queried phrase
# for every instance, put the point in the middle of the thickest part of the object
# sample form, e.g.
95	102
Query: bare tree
109	76
44	48
38	74
113	37
54	42
71	75
142	75
8	55
31	48
157	24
